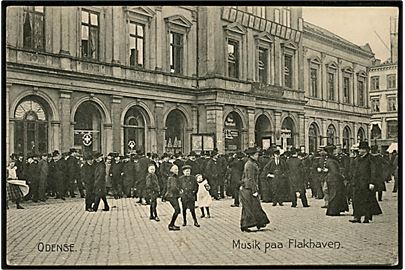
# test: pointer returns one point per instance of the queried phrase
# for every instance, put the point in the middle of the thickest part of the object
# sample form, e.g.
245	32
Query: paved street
126	236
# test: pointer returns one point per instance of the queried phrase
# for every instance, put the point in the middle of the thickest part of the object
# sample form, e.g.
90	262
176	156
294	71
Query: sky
356	24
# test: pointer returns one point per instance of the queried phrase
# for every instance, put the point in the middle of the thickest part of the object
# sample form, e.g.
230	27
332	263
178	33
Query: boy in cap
152	189
189	187
87	172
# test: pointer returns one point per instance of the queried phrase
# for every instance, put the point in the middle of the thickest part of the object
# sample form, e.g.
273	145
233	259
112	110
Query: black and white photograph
201	135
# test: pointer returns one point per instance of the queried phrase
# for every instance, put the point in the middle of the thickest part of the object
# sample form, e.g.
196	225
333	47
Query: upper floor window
392	104
263	65
375	105
314	82
90	34
331	86
375	83
392	127
277	15
391	81
176	52
346	89
288	70
360	92
33	28
233	59
136	44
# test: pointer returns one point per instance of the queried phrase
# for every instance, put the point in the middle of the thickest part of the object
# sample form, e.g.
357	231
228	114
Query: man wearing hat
128	171
73	166
116	176
364	185
141	172
322	174
32	176
211	172
276	171
296	179
195	169
265	189
99	183
382	170
43	169
189	188
57	170
87	173
252	212
164	171
236	166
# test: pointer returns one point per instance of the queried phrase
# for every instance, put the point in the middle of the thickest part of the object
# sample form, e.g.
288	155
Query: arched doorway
287	133
175	132
134	130
346	139
330	135
263	134
313	138
31	126
361	135
233	132
87	127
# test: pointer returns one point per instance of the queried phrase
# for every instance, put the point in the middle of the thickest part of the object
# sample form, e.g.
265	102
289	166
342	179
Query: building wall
203	94
384	115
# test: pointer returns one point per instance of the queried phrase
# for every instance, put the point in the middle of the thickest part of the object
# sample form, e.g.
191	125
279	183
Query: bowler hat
192	154
364	145
240	155
185	167
97	155
329	148
214	153
251	151
374	149
165	155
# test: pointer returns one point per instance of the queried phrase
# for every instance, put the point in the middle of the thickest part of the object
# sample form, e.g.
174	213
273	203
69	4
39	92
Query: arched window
313	138
31	127
233	132
87	128
175	132
263	135
134	130
331	134
346	139
287	133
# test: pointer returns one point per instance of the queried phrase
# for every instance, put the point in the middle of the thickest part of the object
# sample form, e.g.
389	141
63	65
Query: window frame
361	101
136	37
349	79
391	78
237	58
172	48
374	101
392	106
375	81
88	24
33	14
265	69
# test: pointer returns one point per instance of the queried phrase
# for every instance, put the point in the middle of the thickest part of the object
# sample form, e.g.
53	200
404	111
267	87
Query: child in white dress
204	199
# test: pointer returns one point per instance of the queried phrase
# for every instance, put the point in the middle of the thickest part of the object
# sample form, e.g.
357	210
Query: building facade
175	78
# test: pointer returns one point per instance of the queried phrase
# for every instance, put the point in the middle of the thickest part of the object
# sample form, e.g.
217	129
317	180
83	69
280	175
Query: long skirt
14	192
337	199
365	203
252	212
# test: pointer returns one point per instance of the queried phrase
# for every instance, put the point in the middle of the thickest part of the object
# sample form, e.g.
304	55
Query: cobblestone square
126	236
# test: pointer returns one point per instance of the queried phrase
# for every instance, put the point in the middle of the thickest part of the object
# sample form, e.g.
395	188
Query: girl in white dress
204	199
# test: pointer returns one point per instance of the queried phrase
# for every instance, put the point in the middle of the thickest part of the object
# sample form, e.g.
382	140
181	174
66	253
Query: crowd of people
251	178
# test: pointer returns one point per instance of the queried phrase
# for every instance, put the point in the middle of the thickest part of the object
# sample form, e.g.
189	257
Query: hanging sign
87	139
131	144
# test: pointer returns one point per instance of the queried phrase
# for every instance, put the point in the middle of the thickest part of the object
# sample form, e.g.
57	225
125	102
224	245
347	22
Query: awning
392	147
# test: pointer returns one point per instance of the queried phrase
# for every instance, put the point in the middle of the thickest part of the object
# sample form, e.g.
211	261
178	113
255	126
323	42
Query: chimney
394	39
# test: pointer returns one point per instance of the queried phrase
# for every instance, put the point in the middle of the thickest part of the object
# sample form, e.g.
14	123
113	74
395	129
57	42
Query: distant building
176	78
383	96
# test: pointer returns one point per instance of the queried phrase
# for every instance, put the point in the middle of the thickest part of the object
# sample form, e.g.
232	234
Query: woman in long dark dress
337	201
252	212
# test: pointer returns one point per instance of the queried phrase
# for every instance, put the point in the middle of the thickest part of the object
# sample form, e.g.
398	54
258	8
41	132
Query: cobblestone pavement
126	236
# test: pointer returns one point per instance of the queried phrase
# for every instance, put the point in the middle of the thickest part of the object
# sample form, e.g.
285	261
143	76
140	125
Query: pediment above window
332	65
264	37
178	21
314	60
235	28
362	73
289	45
347	69
143	11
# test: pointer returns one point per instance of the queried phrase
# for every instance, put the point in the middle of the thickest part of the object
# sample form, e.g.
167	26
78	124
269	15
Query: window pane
94	43
94	19
85	17
139	30
140	51
39	9
85	32
132	29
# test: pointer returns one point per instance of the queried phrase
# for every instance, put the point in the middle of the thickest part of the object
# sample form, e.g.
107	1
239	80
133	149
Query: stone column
324	132
9	136
277	119
107	140
215	124
355	129
65	124
302	129
340	132
306	134
194	110
55	143
384	131
159	37
116	123
251	127
160	126
64	37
